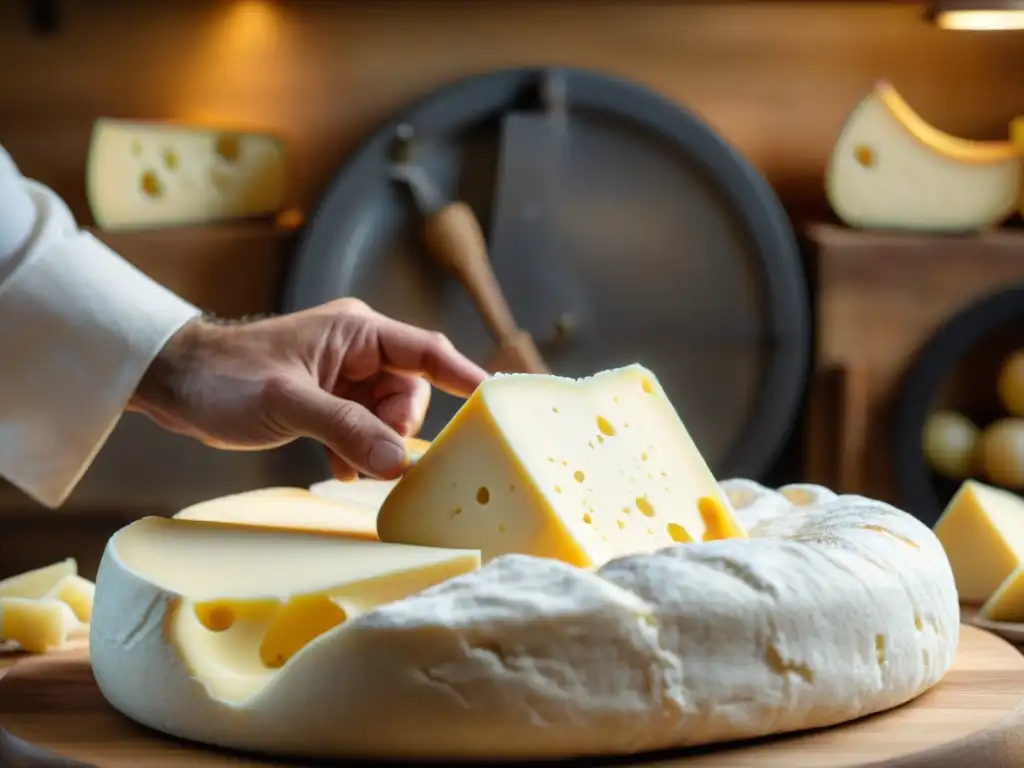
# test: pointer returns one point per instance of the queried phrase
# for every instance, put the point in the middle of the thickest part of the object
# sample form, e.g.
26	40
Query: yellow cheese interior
982	531
143	174
288	509
581	471
36	625
251	598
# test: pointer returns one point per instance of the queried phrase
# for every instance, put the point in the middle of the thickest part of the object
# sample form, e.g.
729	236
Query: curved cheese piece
147	174
828	612
287	509
581	470
892	170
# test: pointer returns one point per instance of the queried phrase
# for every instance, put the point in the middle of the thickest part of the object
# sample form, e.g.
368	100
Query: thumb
353	432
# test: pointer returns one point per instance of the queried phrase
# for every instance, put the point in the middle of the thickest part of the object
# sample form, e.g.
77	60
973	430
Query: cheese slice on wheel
287	509
315	646
577	470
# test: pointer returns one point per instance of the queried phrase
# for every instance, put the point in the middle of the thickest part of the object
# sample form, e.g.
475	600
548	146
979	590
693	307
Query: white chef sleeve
78	328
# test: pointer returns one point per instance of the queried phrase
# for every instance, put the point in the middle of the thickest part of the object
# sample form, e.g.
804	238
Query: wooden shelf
231	270
880	296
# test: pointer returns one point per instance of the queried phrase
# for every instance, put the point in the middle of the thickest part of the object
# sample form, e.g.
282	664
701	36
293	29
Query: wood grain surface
51	712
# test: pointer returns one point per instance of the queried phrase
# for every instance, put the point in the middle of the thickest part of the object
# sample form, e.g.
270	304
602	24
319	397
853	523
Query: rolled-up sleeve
79	326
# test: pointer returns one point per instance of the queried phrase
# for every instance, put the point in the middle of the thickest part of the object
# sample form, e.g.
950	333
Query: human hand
340	373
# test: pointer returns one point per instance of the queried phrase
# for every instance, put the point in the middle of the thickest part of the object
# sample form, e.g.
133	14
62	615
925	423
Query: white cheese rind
829	612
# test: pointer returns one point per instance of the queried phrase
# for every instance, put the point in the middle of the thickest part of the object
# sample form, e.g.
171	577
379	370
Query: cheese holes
216	618
864	155
170	160
880	649
554	409
645	506
605	427
150	184
678	534
587	518
647	385
717	524
483	495
578	476
228	147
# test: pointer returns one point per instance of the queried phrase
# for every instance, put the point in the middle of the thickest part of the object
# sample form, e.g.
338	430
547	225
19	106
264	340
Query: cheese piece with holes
890	169
37	625
215	610
982	531
287	509
37	582
578	470
146	174
827	612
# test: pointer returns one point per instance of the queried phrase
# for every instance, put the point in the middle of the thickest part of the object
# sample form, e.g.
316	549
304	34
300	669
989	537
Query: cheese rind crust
828	612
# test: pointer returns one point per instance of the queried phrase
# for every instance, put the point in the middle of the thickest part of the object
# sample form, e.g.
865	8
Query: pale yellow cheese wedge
287	509
235	603
577	470
1007	602
148	174
37	626
77	592
890	169
982	531
39	581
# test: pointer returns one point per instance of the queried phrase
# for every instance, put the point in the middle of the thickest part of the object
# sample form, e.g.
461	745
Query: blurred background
801	215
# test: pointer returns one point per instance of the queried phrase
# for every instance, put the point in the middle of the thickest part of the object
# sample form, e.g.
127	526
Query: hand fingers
407	349
340	469
351	431
401	401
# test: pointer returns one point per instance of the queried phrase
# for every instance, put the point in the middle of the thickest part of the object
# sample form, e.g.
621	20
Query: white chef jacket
78	328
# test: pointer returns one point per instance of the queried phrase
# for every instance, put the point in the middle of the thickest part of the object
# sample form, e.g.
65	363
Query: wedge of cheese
222	608
890	169
982	531
578	470
287	509
141	175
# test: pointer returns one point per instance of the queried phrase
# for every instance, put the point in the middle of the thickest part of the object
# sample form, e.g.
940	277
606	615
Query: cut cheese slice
142	175
37	626
982	531
37	582
578	470
890	169
287	509
1007	602
234	604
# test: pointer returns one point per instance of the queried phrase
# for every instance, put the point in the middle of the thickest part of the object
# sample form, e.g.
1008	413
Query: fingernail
386	458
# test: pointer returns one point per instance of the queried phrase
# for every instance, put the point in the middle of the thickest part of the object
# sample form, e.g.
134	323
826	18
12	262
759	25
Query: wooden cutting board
52	714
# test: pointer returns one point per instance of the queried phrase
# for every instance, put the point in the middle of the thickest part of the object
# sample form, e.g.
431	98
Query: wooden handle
455	242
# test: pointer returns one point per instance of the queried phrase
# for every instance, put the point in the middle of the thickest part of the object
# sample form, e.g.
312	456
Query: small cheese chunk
1007	602
142	175
249	599
578	470
982	531
78	593
37	582
287	509
37	626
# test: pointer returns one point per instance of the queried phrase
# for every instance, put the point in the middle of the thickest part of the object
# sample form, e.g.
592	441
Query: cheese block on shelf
214	611
287	509
578	470
829	611
145	174
890	169
982	531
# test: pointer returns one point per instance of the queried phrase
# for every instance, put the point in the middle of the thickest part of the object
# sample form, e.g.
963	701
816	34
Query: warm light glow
250	24
981	20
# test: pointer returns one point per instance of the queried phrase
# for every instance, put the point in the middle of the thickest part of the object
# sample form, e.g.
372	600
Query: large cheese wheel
834	609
